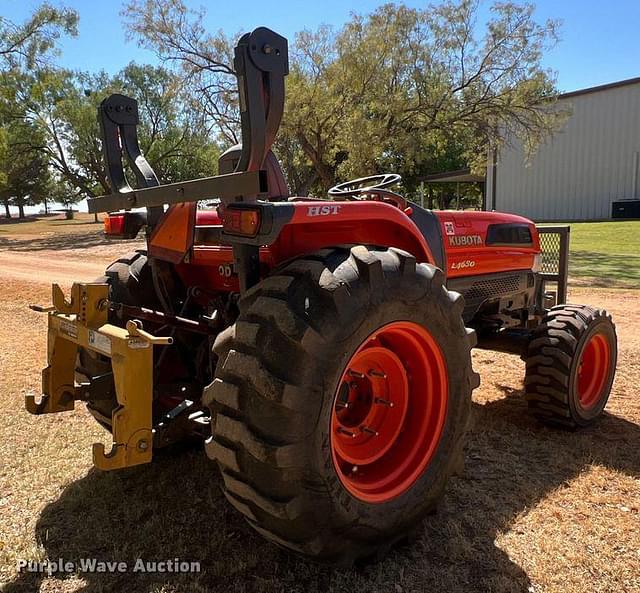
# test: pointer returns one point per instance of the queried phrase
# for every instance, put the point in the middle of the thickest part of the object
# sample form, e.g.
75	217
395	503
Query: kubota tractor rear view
320	347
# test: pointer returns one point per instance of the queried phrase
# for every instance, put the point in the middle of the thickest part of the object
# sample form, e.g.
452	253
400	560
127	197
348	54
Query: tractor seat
278	189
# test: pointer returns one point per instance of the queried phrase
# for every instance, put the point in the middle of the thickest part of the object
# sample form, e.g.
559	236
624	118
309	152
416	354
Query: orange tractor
319	347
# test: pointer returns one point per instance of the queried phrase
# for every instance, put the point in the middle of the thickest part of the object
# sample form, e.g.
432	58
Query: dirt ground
536	510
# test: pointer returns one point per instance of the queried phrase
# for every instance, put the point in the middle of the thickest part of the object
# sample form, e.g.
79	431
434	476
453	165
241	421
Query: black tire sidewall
449	333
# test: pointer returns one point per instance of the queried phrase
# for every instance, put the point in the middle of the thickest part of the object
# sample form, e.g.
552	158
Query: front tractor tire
340	400
571	364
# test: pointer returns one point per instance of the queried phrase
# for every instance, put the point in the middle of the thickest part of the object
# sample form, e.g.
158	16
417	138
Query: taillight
124	225
114	224
241	221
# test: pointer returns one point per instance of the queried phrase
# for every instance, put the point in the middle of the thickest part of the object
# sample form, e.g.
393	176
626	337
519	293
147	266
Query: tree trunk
20	208
324	171
447	200
301	187
46	206
7	211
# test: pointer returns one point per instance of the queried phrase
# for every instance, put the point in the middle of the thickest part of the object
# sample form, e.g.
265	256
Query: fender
303	226
292	229
318	224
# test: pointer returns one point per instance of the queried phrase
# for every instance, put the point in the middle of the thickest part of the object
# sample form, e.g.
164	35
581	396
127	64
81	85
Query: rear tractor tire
571	364
340	401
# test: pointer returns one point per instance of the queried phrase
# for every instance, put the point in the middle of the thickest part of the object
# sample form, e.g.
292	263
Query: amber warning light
241	221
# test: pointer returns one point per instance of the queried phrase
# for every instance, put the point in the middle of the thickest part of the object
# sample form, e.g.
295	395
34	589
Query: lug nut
374	373
369	431
356	374
346	432
383	402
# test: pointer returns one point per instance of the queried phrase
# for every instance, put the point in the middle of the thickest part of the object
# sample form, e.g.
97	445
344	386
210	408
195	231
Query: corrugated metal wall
578	173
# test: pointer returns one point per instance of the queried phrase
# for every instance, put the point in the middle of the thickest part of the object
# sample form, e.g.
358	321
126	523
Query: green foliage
4	148
173	139
28	45
415	91
25	49
203	60
62	107
24	165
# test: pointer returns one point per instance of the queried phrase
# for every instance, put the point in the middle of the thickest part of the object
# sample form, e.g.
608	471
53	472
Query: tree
30	44
203	60
400	88
64	105
25	49
26	170
410	89
4	147
175	138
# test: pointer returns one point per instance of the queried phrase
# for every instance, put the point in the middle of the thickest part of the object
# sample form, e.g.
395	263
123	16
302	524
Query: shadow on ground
174	508
605	270
15	220
60	241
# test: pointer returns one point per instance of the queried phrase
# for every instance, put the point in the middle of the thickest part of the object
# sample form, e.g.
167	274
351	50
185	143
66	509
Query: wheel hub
593	370
389	411
370	417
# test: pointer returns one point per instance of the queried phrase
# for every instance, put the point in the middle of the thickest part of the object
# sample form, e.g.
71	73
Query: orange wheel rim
593	370
389	412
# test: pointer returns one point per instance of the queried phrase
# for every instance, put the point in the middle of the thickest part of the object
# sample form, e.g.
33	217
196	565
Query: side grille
479	290
495	287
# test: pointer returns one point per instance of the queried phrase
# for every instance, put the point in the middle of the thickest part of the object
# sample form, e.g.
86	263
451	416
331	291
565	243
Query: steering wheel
372	187
355	187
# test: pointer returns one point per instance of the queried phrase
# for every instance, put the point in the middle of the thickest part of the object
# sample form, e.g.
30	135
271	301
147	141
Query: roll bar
261	62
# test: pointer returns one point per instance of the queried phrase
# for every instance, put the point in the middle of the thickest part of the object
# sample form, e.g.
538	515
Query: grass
536	510
605	254
55	234
45	224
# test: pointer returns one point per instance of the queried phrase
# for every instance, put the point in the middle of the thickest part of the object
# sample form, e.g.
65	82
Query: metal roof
602	87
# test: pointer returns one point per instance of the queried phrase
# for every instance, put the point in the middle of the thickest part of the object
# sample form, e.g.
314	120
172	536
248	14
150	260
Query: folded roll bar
261	61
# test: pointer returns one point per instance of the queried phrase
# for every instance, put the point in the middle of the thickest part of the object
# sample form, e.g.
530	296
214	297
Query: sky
599	39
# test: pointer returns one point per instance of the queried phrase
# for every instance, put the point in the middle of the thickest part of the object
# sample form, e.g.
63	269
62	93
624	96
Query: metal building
588	170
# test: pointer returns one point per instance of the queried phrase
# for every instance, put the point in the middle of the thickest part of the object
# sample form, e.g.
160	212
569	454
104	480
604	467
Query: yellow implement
83	322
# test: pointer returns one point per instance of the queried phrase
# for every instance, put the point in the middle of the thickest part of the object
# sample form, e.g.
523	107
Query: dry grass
47	224
535	510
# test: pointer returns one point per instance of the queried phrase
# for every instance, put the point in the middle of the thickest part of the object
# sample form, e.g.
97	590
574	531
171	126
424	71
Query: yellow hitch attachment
82	322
